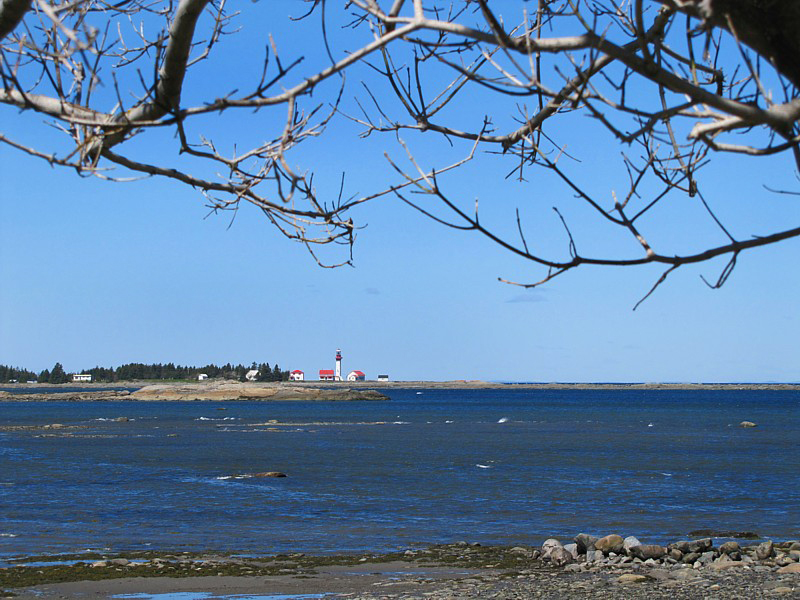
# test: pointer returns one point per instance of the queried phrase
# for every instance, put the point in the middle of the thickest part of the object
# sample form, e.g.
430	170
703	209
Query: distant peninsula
202	391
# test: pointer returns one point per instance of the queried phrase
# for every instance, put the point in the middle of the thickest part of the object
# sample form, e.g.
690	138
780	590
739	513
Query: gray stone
585	542
691	557
683	546
121	562
675	554
560	556
610	543
730	548
573	568
707	557
765	550
630	578
549	545
630	542
593	555
572	549
701	545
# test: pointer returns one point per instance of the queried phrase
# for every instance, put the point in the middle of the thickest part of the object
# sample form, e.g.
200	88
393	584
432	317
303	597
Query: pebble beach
610	567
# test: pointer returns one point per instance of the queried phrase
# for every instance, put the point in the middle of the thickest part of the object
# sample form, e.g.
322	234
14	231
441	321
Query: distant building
251	375
327	375
383	378
202	377
82	378
297	375
356	376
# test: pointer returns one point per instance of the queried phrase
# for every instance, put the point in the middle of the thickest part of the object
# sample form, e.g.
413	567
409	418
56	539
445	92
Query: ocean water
489	466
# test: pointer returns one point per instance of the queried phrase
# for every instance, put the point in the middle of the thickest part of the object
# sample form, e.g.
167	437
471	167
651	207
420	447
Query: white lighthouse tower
338	365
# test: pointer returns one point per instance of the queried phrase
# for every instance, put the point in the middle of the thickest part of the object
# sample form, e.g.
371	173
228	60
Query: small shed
297	375
82	378
202	377
251	375
383	378
356	376
327	375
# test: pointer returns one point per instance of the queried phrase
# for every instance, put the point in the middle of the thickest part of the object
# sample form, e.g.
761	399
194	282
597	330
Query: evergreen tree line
9	374
139	371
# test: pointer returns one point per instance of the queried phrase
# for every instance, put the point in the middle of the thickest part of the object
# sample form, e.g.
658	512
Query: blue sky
98	273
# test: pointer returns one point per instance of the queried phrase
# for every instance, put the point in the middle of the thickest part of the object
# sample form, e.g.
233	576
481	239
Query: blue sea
491	466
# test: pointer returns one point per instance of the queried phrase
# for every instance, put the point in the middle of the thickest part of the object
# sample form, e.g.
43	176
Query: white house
202	377
383	378
251	375
297	375
356	376
82	377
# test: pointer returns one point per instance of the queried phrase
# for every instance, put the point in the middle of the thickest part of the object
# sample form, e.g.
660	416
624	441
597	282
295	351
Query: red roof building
356	376
327	375
297	375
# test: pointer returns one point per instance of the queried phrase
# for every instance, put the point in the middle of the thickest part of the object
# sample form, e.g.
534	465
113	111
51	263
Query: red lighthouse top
338	354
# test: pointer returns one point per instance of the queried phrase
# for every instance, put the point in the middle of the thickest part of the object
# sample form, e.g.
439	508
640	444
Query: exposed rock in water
745	535
252	391
269	474
747	424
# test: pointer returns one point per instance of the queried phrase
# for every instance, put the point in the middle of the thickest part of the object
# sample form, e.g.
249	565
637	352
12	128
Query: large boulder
610	543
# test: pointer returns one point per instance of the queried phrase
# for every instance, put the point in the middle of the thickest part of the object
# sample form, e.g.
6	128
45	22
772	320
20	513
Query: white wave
401	423
419	393
667	474
649	424
503	420
8	535
448	421
483	466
